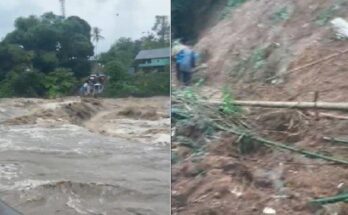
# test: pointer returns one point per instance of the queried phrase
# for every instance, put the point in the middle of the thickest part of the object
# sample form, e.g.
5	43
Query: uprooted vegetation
255	158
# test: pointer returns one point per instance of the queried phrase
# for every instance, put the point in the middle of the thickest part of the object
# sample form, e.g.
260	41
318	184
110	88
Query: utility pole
62	5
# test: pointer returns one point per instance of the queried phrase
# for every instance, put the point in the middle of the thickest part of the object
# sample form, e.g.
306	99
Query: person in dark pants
178	58
186	65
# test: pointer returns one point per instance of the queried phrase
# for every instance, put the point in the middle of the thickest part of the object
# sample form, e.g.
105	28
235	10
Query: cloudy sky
134	16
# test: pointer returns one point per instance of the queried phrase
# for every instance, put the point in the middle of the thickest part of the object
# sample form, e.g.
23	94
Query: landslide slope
259	45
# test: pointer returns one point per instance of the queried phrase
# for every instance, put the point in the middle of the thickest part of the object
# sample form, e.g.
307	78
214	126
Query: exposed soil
263	177
224	181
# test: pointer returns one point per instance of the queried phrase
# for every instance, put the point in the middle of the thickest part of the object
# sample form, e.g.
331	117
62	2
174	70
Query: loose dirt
253	54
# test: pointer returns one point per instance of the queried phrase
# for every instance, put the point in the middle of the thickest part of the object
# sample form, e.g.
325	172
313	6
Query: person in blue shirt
178	58
186	64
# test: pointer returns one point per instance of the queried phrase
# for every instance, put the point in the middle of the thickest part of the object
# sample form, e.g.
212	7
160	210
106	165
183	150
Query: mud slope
256	51
260	42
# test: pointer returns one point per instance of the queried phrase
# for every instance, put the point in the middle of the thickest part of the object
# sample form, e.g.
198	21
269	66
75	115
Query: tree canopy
50	55
43	45
189	16
120	57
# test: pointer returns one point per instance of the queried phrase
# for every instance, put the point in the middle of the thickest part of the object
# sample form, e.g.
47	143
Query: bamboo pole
336	140
321	60
331	200
287	147
343	106
301	151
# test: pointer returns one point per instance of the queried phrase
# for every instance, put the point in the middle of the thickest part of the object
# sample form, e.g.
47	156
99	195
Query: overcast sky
134	16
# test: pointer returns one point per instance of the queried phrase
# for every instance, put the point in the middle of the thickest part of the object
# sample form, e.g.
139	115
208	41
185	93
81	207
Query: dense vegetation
49	56
44	56
188	16
120	57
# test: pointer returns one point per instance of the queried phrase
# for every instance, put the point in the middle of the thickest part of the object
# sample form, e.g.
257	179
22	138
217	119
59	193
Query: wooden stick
318	61
330	116
343	106
316	97
335	140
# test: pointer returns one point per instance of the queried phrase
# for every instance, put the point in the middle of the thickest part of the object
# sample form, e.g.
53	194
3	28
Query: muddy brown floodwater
52	161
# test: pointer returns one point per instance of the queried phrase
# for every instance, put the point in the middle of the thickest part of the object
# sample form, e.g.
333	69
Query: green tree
162	29
60	82
56	42
96	36
44	56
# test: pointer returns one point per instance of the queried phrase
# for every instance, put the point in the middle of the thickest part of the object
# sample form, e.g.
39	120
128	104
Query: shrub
59	83
231	4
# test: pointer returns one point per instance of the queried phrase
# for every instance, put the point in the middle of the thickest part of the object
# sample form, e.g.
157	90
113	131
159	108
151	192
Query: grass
258	58
231	4
254	62
281	15
326	15
228	106
195	122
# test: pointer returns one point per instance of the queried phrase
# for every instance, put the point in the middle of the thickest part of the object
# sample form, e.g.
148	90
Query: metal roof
153	53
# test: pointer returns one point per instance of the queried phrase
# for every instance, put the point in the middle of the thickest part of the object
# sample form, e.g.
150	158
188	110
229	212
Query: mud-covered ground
216	177
90	156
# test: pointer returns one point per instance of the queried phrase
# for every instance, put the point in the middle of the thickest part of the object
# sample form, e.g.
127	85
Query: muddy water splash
65	169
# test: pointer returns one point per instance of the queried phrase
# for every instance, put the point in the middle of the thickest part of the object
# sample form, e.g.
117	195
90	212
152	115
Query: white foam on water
5	144
25	185
162	139
9	171
75	204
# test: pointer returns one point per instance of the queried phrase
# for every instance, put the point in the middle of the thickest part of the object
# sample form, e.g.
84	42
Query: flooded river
66	169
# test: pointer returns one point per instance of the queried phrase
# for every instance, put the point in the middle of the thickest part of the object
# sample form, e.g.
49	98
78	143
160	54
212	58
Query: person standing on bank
186	64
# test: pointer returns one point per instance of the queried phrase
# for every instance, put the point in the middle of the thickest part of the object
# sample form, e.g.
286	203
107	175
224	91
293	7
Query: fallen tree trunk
296	105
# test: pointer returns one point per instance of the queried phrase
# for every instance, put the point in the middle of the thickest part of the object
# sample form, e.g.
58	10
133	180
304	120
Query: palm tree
96	36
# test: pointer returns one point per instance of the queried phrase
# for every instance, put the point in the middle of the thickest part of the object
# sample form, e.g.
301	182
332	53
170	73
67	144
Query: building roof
153	53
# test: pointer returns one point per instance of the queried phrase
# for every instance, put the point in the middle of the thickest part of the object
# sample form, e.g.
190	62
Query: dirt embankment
227	175
256	52
145	120
259	45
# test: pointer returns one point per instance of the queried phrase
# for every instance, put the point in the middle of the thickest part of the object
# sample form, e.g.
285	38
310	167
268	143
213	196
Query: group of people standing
186	60
94	85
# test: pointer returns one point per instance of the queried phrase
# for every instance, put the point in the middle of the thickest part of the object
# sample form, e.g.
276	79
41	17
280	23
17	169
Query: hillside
263	41
275	50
